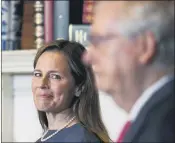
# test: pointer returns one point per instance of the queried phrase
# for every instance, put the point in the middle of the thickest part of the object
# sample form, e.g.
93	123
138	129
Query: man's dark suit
156	121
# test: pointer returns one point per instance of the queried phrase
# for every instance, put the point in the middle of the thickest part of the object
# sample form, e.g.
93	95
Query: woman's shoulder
83	134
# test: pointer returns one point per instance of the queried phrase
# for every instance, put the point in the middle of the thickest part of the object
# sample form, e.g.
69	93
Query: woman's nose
44	82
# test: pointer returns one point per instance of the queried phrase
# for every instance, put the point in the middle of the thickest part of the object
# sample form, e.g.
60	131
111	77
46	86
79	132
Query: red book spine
87	6
48	20
87	18
87	11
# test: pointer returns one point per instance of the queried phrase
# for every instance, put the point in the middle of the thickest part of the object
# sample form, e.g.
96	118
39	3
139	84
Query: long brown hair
86	105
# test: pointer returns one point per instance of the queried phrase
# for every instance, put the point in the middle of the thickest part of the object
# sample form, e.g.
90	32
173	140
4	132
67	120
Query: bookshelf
76	11
21	60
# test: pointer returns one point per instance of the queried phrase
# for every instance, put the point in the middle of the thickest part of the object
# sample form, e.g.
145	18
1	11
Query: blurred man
132	55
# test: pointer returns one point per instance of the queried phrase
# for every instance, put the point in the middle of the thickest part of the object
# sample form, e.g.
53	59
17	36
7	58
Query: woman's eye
55	76
37	74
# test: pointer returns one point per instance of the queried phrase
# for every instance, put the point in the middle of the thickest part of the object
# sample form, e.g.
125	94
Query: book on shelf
16	20
79	33
39	24
48	20
5	24
61	19
27	39
25	23
12	15
87	11
87	18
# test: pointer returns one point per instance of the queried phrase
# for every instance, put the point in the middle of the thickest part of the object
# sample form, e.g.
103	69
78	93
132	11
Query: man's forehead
108	4
109	14
104	17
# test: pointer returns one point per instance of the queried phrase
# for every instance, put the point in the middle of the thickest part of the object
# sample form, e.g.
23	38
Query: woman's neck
56	121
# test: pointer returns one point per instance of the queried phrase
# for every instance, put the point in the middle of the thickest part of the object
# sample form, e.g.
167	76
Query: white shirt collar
146	95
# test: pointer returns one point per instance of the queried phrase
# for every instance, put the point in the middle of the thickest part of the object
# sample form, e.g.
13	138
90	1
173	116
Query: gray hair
157	17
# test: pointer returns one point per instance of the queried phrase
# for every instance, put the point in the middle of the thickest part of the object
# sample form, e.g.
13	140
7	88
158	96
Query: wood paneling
27	40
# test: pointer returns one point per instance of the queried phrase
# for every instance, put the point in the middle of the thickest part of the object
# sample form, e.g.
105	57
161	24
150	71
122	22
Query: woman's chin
44	108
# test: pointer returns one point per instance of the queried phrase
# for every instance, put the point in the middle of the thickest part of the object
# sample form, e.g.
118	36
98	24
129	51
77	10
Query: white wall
26	124
7	108
19	118
113	116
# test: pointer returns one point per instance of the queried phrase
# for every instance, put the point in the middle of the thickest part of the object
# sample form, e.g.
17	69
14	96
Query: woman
65	95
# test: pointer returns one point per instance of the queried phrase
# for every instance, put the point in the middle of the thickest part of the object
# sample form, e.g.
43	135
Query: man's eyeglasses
97	40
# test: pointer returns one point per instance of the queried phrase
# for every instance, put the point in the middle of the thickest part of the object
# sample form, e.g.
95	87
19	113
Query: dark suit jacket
156	121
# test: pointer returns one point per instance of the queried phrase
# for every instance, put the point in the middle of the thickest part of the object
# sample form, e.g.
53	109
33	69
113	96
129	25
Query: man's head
130	39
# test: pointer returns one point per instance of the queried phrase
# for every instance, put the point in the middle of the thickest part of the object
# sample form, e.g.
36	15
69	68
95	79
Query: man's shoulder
159	120
162	102
155	121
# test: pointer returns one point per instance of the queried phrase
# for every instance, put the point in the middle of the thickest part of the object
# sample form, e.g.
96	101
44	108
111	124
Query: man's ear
148	49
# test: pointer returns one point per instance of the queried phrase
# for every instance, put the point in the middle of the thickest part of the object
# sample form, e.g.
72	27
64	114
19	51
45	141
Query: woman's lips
45	94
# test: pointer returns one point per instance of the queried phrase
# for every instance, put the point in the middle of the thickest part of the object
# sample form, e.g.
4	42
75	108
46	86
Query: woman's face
52	84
